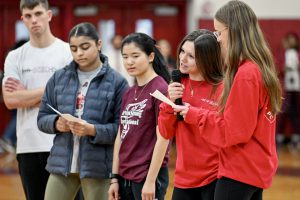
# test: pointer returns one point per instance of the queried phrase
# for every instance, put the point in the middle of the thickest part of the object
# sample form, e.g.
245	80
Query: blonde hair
246	41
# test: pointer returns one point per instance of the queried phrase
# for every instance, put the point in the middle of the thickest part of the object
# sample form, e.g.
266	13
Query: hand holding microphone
182	109
175	90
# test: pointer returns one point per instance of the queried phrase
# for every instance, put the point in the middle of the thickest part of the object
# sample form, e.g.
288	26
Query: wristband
113	182
112	175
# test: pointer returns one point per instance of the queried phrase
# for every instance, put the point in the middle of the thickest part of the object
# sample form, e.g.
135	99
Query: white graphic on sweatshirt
131	115
209	101
269	115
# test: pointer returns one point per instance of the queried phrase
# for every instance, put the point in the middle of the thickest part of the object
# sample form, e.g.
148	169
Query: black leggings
33	174
200	193
228	189
130	190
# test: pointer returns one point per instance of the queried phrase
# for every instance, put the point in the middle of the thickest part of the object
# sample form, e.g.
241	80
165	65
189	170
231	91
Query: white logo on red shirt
269	115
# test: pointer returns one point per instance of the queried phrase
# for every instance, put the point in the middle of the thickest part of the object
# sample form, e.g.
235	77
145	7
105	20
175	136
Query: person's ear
50	14
151	57
22	16
99	44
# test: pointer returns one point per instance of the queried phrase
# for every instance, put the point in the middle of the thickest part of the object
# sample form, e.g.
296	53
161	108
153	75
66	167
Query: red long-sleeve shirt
197	160
245	131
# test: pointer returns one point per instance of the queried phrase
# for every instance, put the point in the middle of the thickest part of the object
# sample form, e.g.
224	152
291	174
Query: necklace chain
136	97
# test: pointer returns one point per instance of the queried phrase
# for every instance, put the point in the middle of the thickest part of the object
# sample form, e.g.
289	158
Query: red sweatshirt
246	130
197	160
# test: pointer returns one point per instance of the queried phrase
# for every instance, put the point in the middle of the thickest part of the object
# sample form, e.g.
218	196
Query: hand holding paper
67	122
68	117
61	125
182	109
82	128
157	94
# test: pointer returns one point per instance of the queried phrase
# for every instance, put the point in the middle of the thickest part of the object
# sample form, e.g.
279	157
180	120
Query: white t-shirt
292	76
85	80
33	67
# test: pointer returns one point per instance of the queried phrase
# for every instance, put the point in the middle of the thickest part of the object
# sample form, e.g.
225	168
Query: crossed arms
16	95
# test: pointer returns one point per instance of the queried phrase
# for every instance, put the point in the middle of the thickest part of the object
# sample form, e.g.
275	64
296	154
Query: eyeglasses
218	33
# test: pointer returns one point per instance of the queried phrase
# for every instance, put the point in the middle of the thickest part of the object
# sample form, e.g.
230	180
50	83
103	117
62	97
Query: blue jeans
130	190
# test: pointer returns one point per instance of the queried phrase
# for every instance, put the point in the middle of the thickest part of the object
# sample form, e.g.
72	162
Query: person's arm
106	133
167	121
238	122
159	152
113	191
47	120
20	97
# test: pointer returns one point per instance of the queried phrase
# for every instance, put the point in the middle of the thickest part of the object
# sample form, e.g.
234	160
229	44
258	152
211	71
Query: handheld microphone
176	77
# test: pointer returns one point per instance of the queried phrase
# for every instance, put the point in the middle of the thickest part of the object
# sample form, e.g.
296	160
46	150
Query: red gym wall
123	12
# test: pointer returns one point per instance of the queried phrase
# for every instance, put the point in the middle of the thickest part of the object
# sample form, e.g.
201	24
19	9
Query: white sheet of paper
71	118
65	116
59	113
157	94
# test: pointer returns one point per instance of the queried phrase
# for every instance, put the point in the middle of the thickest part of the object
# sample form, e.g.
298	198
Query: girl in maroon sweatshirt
245	125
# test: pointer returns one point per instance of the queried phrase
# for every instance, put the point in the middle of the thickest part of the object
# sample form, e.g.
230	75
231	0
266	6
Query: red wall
124	12
274	30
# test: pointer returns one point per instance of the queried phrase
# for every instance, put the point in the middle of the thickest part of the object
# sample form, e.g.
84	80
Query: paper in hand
59	113
65	116
157	94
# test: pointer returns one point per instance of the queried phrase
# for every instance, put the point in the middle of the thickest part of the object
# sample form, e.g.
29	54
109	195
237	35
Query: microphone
176	77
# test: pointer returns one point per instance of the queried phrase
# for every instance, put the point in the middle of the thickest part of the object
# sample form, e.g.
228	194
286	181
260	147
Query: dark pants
33	174
200	193
228	189
130	190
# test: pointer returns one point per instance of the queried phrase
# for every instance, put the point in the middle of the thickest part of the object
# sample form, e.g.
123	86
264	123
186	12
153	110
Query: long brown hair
208	58
207	55
246	41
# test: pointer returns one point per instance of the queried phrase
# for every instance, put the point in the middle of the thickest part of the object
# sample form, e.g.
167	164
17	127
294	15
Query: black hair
84	29
148	45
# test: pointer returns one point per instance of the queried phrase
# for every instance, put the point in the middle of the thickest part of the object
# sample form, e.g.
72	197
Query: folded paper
68	117
157	94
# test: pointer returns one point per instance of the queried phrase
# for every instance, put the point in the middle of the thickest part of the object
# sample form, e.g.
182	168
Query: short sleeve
11	68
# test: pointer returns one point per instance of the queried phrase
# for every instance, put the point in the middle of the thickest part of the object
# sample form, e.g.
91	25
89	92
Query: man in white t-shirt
26	72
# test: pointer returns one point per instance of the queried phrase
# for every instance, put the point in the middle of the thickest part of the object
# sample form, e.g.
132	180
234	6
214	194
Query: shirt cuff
167	108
